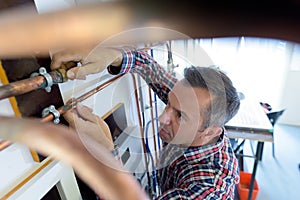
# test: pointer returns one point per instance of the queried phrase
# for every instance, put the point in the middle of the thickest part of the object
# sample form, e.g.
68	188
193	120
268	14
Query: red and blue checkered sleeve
154	74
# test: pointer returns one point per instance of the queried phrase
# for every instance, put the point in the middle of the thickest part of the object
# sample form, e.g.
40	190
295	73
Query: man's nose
165	117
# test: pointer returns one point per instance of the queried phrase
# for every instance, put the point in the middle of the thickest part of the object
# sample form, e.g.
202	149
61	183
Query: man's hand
85	122
106	177
92	61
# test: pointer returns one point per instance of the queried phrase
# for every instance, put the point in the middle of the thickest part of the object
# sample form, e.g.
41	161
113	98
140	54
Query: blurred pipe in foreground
125	22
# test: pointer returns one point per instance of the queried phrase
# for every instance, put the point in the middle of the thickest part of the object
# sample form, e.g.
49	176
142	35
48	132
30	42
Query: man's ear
215	131
209	134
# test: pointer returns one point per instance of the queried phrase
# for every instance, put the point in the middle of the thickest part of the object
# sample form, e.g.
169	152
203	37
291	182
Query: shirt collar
195	154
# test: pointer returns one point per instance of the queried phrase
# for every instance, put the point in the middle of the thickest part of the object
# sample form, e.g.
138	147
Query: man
198	161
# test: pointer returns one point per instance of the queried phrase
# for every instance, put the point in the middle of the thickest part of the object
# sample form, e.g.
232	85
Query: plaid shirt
155	76
206	172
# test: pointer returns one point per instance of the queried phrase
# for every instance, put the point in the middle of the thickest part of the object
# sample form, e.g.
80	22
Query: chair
266	106
273	117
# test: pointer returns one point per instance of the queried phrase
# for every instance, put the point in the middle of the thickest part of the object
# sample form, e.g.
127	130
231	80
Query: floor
278	178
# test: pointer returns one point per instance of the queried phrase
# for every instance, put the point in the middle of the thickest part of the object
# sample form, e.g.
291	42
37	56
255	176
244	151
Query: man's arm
117	61
143	64
103	173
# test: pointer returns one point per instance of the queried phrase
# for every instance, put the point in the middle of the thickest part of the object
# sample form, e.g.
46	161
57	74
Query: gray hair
225	101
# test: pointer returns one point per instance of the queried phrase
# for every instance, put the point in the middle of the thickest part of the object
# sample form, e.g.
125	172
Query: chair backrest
266	106
273	116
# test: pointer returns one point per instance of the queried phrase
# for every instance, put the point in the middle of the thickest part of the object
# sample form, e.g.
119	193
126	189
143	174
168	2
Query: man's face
181	119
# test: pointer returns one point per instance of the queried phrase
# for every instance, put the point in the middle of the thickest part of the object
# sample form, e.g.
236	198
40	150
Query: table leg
261	151
258	155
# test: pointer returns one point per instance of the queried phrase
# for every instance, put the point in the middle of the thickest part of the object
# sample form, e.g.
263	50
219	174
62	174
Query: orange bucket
244	185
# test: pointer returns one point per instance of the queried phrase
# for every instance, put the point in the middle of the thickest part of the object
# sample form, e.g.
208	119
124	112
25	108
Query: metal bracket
51	109
47	76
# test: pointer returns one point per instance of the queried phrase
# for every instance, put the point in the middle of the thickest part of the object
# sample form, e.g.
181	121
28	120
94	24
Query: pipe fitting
51	109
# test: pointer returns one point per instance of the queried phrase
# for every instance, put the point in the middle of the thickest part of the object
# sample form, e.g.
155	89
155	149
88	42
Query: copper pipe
21	87
153	129
27	85
4	144
141	126
70	105
33	83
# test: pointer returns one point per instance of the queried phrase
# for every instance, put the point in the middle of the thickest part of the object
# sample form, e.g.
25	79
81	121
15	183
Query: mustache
164	128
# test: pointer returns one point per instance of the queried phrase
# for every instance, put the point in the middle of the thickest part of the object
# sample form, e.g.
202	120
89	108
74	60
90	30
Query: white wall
291	99
120	91
267	70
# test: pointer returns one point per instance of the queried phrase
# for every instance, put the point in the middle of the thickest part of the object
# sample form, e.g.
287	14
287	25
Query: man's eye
179	114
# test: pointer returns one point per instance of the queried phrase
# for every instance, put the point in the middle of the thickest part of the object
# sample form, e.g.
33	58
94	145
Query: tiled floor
278	178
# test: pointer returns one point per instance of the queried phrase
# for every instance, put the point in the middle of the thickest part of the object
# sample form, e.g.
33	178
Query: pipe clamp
51	109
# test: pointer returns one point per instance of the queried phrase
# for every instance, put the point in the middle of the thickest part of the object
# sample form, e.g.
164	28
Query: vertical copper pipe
152	118
141	127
